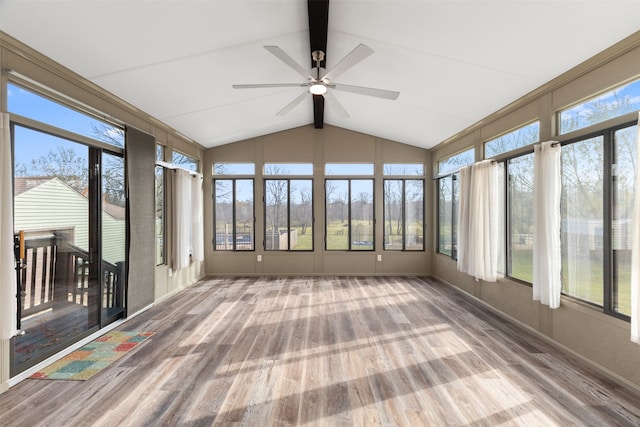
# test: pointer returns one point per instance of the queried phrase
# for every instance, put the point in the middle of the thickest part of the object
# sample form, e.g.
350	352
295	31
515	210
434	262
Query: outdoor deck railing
55	271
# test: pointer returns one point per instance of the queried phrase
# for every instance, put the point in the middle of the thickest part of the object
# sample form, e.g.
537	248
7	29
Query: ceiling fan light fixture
318	89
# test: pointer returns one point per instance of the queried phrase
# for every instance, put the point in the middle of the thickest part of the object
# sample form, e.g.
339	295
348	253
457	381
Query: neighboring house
45	204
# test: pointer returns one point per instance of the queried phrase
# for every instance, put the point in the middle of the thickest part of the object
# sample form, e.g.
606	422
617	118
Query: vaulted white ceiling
453	62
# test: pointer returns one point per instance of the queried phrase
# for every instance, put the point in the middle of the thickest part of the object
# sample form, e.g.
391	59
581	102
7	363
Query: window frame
234	234
453	176
608	285
508	241
403	213
509	133
190	160
288	181
599	125
349	217
458	154
160	165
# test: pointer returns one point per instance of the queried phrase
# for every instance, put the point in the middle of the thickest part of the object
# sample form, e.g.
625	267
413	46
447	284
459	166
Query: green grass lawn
305	241
338	235
586	277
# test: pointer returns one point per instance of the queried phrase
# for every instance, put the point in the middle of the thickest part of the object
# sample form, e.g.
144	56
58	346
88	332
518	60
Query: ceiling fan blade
284	57
292	104
263	85
335	105
355	56
369	91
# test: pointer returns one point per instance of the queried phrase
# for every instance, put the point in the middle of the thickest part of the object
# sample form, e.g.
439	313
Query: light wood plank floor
335	351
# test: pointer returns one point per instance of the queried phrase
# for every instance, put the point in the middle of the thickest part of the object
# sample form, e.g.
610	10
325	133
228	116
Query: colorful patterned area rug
89	359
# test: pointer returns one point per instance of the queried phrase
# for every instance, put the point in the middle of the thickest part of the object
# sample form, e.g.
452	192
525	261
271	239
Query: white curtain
635	252
462	226
547	258
478	221
8	286
197	239
181	218
188	239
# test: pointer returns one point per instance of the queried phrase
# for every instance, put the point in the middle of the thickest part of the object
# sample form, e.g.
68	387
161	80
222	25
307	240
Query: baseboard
635	388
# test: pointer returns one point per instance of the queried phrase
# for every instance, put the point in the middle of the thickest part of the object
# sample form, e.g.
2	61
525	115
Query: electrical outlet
379	257
259	258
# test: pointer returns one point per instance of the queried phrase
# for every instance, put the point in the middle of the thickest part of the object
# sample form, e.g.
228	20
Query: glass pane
301	215
185	162
393	214
521	137
454	223
622	100
160	223
113	235
521	218
288	169
223	197
582	220
159	152
622	227
362	214
414	214
234	169
276	197
349	169
58	287
403	169
34	106
445	215
337	206
244	207
457	161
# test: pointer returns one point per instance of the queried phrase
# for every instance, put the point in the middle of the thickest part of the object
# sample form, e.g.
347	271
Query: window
520	217
403	201
349	214
233	214
615	103
582	219
160	209
288	169
447	214
234	169
521	137
348	169
624	154
596	230
455	162
448	190
288	214
185	162
403	169
38	107
288	207
403	214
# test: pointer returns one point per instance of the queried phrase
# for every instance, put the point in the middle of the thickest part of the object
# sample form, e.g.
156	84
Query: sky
32	144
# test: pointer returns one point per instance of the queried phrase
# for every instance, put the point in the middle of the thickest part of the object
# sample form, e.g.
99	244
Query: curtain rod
174	168
553	144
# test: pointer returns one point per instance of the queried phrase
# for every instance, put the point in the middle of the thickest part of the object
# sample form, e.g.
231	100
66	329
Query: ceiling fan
319	81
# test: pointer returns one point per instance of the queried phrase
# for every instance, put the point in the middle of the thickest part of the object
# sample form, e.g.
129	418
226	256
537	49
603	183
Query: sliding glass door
70	228
114	244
